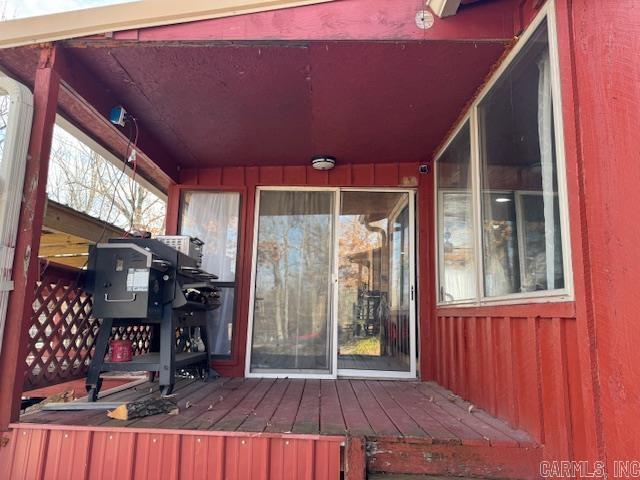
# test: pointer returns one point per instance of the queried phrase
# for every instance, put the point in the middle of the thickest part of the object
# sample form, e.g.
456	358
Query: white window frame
547	12
334	372
12	172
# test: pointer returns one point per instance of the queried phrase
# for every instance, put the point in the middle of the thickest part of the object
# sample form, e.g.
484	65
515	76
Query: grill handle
126	300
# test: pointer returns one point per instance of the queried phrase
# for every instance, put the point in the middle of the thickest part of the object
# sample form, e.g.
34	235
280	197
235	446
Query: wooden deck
405	427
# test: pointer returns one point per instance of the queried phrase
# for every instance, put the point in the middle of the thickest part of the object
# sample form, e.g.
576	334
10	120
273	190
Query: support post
25	267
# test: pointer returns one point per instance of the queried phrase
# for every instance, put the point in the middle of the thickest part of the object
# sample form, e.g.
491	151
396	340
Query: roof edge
126	16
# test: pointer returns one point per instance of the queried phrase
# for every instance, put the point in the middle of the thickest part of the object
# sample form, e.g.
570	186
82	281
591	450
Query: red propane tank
121	351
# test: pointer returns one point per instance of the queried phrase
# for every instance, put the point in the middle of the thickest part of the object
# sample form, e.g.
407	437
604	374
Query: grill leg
167	351
209	372
93	376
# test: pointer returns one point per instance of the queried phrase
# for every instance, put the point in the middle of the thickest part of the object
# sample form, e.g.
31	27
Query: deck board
262	413
445	401
378	419
331	417
308	417
354	417
238	414
427	415
371	408
403	422
285	415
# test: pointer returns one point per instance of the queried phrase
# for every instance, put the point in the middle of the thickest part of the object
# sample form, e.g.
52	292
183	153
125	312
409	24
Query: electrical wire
133	176
132	140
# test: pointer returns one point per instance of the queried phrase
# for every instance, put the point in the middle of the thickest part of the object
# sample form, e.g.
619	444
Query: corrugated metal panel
28	453
61	444
55	452
112	454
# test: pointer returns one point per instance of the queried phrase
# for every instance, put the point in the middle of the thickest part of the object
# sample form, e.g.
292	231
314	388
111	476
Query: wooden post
25	267
356	462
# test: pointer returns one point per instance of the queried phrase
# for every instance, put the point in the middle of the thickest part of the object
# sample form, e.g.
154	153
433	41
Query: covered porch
228	114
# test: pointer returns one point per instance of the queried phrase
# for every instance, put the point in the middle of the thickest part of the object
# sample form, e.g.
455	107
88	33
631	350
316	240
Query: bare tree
83	180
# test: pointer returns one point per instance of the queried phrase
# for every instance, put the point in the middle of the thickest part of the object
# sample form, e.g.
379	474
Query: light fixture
502	200
323	162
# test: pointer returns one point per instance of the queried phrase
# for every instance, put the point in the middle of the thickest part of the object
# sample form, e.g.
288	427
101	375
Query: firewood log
144	408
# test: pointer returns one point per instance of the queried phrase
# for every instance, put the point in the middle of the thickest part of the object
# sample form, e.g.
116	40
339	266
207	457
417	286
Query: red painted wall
246	179
570	373
604	40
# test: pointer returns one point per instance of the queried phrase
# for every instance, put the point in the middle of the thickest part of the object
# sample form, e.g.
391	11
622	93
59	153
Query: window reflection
522	247
293	271
455	205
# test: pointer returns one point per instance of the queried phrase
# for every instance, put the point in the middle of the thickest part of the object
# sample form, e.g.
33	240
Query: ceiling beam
140	14
444	8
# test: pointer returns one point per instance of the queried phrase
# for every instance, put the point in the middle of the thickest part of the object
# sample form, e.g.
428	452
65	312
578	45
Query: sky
28	8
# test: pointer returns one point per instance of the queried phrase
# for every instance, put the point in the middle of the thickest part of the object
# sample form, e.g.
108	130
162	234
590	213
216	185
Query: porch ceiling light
323	162
502	200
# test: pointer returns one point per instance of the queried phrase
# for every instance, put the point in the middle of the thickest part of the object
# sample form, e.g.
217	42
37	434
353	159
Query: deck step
408	476
419	457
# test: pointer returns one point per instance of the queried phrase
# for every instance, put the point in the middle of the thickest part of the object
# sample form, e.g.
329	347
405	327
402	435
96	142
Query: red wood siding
568	374
61	452
246	179
599	44
521	368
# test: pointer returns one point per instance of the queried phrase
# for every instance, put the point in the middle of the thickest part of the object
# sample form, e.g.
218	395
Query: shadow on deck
391	426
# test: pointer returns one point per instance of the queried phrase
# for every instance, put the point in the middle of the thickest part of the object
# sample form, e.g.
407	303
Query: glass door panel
292	294
374	274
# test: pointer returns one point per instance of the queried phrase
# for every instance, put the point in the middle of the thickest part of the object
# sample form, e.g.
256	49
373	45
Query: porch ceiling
279	103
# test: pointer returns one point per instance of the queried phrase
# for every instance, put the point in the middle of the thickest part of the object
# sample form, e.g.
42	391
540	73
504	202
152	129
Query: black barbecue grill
144	281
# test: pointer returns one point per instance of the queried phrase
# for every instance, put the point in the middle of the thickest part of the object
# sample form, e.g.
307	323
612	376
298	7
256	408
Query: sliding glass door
375	283
293	269
333	284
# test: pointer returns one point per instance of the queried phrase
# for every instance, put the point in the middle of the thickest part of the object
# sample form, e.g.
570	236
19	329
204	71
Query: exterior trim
125	16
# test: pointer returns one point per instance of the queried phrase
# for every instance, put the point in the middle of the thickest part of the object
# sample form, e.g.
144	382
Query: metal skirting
65	452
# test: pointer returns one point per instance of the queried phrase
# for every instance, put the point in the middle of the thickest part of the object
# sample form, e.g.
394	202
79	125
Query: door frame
386	374
334	371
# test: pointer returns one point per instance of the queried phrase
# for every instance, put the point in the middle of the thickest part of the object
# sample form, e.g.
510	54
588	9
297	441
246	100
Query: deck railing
62	329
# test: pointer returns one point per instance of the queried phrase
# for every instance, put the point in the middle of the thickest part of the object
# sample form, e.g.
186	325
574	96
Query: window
511	179
89	179
213	217
457	266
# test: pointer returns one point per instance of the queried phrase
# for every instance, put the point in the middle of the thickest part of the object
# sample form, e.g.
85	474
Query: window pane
4	119
82	179
374	310
455	208
291	316
213	217
522	248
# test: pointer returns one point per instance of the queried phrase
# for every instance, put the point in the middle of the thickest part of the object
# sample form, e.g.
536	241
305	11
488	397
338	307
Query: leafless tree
84	181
